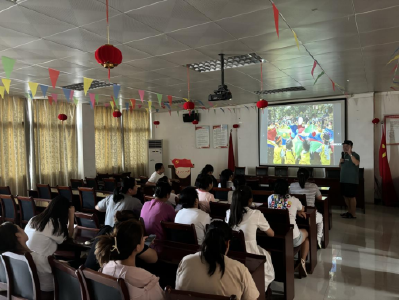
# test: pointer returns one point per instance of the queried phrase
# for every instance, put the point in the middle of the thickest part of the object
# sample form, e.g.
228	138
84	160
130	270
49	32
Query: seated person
207	170
241	217
13	239
157	210
191	214
147	255
225	180
172	197
210	271
238	181
282	200
203	191
121	199
312	192
48	229
117	253
159	173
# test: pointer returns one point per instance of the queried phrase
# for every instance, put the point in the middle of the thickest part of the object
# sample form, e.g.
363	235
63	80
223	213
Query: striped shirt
311	191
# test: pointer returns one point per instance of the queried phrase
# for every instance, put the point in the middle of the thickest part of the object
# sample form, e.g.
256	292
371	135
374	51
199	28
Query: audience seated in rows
147	255
312	192
207	170
121	199
205	197
117	253
157	210
282	200
225	179
191	214
241	217
210	271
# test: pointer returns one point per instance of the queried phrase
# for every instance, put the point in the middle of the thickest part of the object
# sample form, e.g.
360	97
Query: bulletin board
392	129
220	136
202	137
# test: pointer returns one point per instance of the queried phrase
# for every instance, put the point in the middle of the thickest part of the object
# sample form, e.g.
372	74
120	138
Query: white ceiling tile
295	62
75	12
326	30
333	44
269	41
129	54
169	15
125	5
251	24
12	38
370	5
379	19
185	57
283	53
123	29
152	63
378	37
230	48
158	45
201	35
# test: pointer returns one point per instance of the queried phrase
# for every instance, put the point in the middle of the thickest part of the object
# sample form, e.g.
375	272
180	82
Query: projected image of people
300	134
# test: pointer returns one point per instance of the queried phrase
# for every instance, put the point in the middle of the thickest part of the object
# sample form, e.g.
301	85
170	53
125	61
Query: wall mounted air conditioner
154	148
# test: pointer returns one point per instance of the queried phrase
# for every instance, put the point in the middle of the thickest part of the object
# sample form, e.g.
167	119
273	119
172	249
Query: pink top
153	212
141	284
204	200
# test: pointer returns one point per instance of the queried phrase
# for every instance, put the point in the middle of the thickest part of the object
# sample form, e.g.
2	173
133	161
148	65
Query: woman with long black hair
225	179
210	271
241	217
121	199
50	228
207	170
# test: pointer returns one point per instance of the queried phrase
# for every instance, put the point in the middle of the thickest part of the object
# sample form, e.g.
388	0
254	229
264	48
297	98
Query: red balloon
117	114
195	122
262	103
62	117
188	105
236	125
108	56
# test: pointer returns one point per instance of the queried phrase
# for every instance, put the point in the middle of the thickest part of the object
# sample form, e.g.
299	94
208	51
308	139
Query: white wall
179	137
86	143
386	104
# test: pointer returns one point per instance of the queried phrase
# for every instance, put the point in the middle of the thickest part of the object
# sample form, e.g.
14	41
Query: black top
215	182
91	261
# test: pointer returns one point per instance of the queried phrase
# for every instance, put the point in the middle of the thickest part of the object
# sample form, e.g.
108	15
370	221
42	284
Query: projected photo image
300	134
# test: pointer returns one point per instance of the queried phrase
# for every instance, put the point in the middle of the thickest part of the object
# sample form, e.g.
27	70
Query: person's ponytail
302	176
103	249
126	184
214	246
163	189
240	200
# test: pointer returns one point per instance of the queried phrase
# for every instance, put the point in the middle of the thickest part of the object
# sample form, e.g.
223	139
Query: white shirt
292	204
311	191
194	216
43	244
155	177
229	184
192	275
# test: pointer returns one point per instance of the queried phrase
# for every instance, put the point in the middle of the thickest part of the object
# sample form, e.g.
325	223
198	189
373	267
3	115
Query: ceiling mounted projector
222	93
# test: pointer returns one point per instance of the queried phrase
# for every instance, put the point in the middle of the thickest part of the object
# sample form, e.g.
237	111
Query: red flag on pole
231	156
389	196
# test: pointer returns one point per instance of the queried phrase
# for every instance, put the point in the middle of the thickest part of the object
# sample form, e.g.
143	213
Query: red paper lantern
62	117
375	121
156	123
195	122
108	56
262	103
314	134
117	114
188	105
236	125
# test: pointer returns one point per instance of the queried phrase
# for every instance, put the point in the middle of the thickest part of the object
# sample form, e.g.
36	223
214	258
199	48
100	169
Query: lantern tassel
109	74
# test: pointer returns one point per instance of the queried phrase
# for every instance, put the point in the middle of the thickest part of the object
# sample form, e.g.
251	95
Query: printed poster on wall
202	137
220	136
392	130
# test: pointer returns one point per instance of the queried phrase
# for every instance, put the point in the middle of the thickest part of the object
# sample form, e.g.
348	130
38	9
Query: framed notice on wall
392	129
220	136
202	137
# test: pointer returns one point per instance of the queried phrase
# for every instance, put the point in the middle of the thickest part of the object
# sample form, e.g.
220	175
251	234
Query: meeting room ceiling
352	40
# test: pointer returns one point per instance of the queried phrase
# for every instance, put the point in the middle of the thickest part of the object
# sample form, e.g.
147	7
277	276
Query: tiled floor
361	261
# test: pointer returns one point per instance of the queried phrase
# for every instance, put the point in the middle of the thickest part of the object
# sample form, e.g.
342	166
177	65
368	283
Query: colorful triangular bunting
87	82
53	77
8	65
33	87
44	89
6	83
